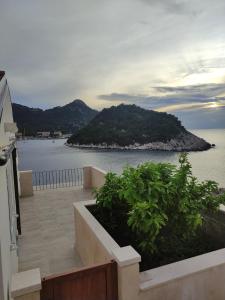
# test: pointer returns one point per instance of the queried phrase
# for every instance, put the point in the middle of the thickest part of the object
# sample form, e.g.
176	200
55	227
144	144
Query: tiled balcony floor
48	238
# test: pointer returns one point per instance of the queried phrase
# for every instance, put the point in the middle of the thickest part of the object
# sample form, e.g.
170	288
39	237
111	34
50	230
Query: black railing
53	179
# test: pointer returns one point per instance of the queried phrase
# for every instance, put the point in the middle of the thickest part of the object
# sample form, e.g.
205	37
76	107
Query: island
128	127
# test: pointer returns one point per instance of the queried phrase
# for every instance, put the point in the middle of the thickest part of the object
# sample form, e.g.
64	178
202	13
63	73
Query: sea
47	154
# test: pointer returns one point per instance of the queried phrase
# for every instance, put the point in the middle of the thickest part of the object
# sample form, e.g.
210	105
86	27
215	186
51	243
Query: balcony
47	243
47	221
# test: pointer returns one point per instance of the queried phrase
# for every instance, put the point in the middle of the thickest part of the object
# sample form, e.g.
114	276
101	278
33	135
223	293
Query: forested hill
137	128
68	118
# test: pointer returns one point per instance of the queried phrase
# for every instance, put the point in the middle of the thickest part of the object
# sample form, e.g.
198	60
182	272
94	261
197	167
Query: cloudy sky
166	55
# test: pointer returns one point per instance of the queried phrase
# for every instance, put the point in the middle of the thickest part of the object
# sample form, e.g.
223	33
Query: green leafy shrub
163	205
112	207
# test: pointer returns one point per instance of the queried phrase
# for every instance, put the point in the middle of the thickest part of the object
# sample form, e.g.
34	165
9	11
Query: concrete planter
198	278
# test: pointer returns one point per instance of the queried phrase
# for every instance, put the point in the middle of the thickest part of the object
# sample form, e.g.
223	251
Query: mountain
68	118
132	127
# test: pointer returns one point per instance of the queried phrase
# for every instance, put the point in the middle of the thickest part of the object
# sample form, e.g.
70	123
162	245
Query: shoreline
39	138
184	142
135	148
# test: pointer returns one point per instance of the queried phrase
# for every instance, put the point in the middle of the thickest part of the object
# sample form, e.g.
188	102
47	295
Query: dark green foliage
162	205
128	124
68	119
111	206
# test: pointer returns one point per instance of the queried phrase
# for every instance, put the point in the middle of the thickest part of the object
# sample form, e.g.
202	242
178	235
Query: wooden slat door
92	283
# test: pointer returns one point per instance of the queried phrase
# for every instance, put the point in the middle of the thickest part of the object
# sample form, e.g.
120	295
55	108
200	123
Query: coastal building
9	191
43	134
57	134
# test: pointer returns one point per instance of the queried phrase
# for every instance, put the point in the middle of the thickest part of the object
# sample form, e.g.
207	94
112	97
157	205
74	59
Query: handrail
52	179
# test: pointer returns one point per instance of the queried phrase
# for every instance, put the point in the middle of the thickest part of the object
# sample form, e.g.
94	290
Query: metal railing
53	179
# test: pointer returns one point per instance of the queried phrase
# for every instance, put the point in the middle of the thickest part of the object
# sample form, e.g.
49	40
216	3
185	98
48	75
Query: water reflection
41	155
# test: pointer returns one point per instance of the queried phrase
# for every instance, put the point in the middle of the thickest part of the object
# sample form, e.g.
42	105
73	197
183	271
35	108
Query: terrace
59	234
47	220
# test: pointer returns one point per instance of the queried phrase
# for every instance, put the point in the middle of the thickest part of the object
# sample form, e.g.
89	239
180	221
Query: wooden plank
112	281
76	271
85	287
47	290
98	282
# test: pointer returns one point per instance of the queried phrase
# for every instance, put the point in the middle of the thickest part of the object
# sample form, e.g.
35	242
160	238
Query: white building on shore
43	134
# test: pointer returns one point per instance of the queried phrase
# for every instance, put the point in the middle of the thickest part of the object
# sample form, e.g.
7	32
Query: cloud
174	98
204	90
220	99
55	51
195	110
123	97
172	6
202	118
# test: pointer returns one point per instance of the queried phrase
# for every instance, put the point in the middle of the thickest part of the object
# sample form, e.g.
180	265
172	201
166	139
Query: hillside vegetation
68	118
129	124
132	126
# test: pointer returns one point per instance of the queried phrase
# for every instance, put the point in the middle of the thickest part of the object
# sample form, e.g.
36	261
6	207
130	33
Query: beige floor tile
47	239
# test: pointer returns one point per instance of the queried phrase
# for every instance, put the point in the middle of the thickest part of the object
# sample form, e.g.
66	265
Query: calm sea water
41	155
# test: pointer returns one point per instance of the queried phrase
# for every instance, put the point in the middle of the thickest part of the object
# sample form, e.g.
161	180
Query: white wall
4	231
9	260
7	116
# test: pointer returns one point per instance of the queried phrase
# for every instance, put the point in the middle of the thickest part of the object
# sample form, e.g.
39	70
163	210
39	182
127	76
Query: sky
166	55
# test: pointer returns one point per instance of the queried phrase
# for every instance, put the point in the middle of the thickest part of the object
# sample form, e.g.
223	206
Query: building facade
9	192
43	134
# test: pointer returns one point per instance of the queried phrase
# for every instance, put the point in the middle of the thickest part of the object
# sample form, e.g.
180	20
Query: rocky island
131	127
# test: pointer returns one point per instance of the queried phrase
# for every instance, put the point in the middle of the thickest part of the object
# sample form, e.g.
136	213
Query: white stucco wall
8	257
4	233
7	116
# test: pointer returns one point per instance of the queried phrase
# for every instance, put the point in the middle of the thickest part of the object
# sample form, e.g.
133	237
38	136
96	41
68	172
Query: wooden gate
92	283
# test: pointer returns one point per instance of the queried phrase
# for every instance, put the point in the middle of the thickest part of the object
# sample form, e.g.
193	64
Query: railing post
26	184
87	177
93	177
128	272
26	285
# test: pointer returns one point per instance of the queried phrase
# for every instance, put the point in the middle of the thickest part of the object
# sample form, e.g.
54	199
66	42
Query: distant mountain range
68	118
132	127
